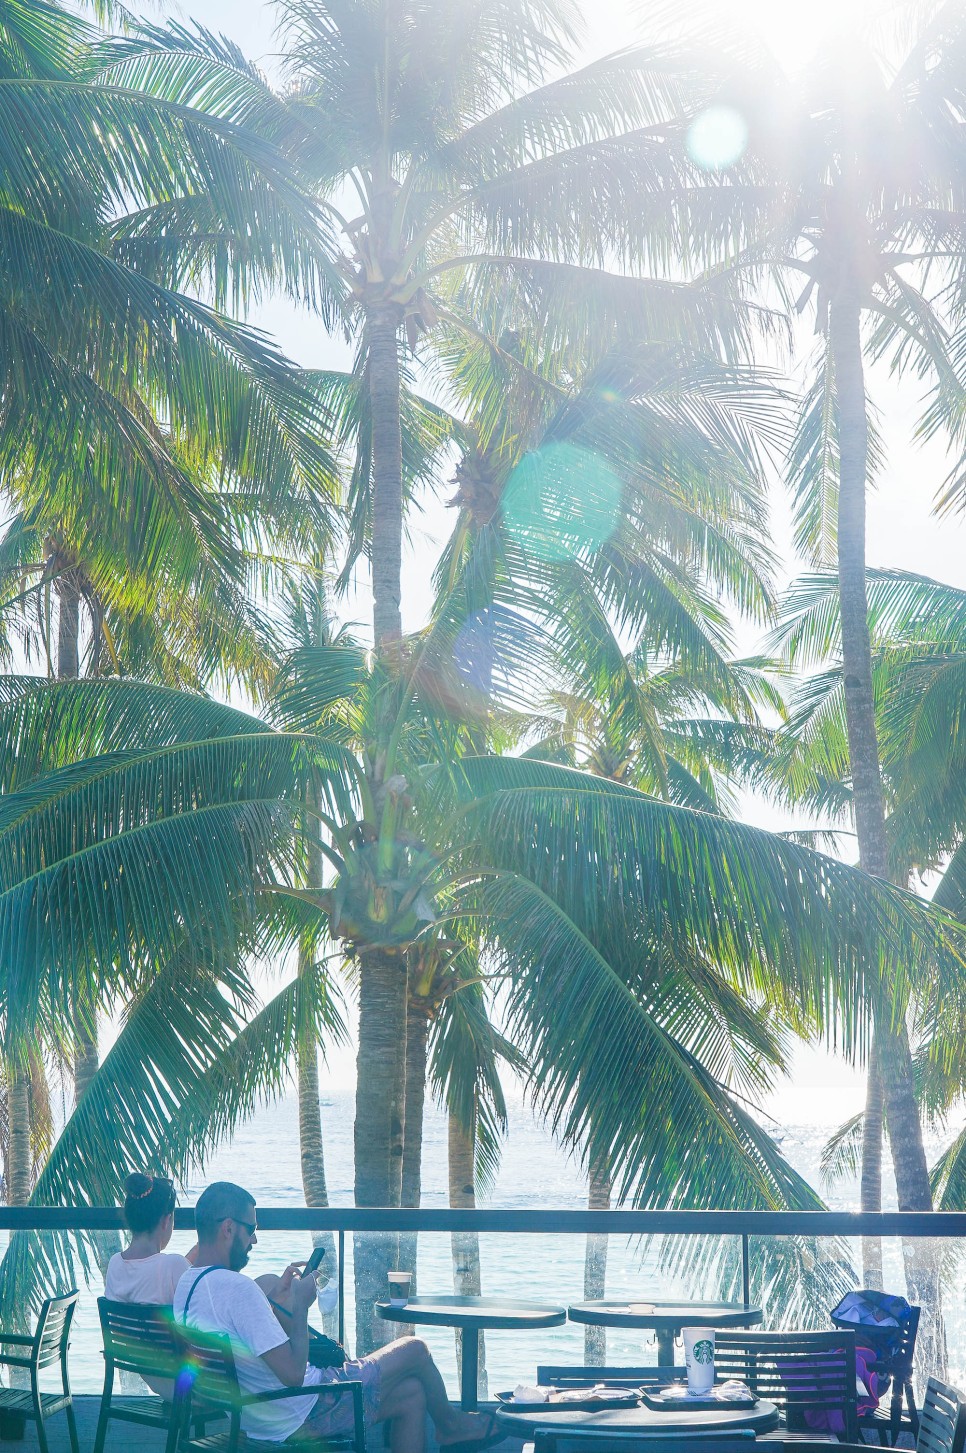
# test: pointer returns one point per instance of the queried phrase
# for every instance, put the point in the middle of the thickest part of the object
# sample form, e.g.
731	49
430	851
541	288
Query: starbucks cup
399	1285
699	1359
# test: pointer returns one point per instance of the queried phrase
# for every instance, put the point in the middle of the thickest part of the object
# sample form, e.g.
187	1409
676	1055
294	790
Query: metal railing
341	1220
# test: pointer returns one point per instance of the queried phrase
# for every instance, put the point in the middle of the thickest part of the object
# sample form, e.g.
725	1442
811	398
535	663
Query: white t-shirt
233	1304
147	1279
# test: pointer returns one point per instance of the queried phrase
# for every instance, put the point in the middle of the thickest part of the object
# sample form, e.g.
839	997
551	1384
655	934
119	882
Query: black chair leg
72	1427
104	1414
41	1430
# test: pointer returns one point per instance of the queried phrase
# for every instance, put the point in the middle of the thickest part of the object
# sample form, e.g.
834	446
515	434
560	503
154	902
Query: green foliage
149	442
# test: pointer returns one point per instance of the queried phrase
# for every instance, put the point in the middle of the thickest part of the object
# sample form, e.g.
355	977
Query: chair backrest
810	1376
902	1361
207	1370
942	1419
139	1337
554	1375
52	1337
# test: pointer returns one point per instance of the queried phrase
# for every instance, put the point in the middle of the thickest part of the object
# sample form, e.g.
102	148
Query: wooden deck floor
121	1437
129	1438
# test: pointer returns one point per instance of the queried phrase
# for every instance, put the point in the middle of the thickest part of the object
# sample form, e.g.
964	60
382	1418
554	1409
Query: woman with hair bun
144	1272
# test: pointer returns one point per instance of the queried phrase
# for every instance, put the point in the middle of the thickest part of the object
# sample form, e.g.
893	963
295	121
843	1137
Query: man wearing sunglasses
400	1382
212	1296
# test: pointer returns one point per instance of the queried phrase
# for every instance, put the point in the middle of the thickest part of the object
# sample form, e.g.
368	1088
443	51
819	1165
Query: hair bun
138	1185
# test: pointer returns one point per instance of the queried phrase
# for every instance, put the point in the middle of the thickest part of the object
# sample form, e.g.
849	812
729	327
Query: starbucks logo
703	1351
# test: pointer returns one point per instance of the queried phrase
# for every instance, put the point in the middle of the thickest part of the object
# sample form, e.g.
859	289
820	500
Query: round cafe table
472	1315
665	1318
635	1421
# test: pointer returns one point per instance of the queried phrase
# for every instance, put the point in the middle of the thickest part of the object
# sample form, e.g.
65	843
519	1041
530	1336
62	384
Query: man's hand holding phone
315	1260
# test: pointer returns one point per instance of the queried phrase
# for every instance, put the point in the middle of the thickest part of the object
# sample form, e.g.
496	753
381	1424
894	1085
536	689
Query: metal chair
942	1421
888	1423
140	1337
48	1345
942	1424
208	1373
797	1371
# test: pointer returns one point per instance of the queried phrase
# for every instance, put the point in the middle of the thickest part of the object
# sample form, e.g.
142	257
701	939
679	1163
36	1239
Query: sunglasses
250	1226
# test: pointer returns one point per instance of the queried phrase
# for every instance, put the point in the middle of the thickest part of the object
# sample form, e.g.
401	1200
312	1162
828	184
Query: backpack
879	1317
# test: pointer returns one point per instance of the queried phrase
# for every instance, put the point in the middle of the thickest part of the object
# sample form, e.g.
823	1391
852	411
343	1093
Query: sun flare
781	24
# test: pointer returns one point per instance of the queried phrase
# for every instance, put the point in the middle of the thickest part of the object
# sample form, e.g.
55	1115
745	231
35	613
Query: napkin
328	1296
524	1394
733	1392
726	1392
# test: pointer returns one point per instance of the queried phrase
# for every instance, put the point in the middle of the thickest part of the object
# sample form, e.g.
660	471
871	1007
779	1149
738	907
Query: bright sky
902	531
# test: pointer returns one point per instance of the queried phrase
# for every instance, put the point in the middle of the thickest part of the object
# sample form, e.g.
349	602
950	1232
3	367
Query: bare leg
269	1284
404	1406
409	1358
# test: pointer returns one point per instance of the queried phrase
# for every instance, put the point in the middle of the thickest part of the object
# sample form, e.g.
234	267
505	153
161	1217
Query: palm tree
192	793
916	633
434	119
144	437
464	1069
674	433
185	809
170	414
665	737
853	201
470	168
456	902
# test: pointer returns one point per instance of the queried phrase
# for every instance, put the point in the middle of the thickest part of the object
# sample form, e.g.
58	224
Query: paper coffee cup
399	1284
699	1358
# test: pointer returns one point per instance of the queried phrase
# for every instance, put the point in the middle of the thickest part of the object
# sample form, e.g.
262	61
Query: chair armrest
18	1338
7	1359
302	1390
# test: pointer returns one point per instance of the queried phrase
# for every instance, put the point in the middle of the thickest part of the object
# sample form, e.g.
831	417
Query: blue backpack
878	1319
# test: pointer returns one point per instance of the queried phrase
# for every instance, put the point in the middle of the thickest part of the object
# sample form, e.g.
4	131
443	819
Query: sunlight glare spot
717	138
561	501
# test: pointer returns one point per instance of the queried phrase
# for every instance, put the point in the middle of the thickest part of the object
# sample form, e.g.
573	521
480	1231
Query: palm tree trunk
895	1062
18	1177
18	1170
381	1062
85	1058
311	1150
380	1108
68	629
382	330
68	669
417	1036
894	1057
467	1275
871	1187
599	1188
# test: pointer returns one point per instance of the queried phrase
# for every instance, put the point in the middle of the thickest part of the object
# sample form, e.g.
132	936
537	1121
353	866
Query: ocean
263	1155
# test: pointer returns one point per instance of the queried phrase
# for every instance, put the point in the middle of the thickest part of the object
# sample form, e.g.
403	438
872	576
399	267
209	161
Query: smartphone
314	1261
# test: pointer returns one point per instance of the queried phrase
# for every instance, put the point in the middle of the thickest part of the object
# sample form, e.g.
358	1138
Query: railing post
342	1287
745	1270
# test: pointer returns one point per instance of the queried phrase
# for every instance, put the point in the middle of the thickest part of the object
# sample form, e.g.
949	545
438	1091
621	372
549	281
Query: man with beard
400	1383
